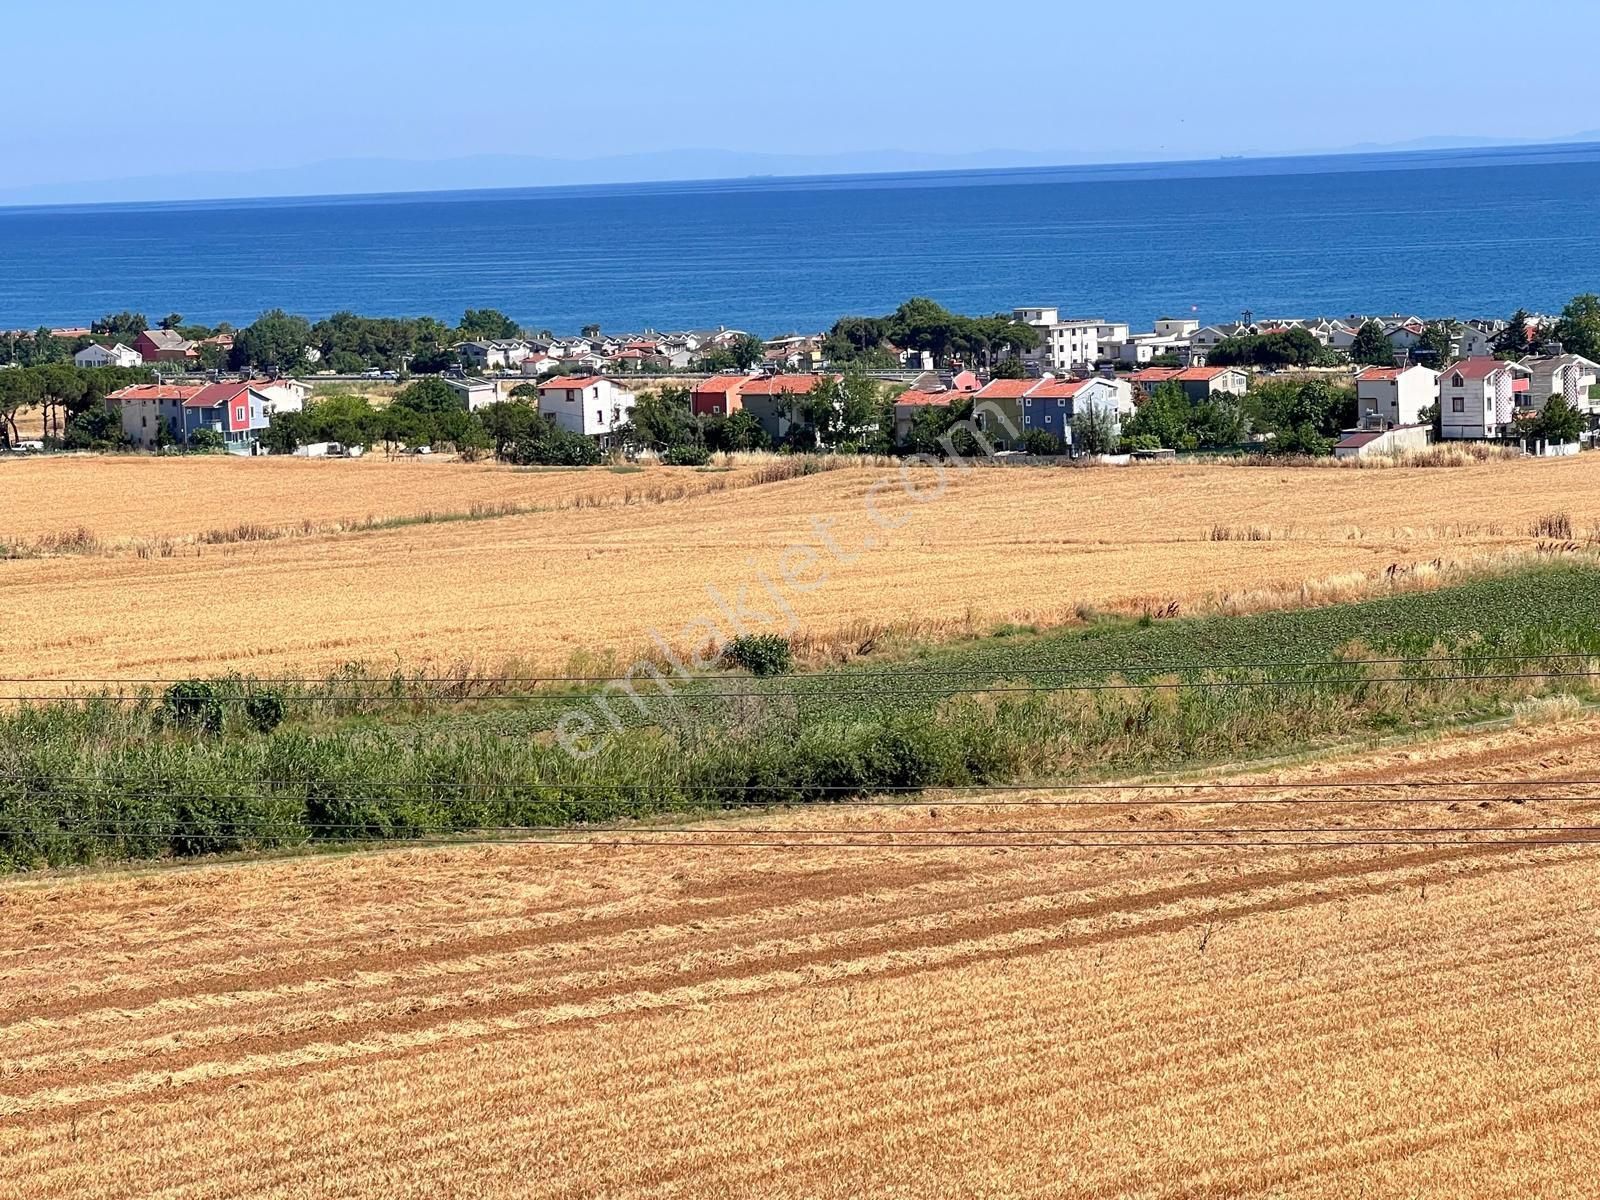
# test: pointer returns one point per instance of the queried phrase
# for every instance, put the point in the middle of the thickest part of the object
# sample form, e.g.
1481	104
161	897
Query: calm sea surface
1463	232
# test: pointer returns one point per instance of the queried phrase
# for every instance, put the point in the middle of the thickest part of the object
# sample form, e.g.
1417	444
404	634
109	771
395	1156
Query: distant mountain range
367	176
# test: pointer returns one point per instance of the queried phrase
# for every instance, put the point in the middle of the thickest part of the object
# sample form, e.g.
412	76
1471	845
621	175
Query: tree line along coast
918	380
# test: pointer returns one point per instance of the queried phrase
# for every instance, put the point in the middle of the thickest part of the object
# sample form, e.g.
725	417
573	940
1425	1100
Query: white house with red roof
588	404
1396	395
1479	398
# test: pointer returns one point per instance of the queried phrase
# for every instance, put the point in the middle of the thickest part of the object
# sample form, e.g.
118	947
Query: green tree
1559	421
428	398
94	429
206	441
19	389
343	418
1578	329
1166	416
662	420
746	351
1009	368
839	414
1296	347
123	325
172	321
739	430
1512	341
1223	420
275	343
1371	347
486	324
590	331
1041	442
61	391
1437	340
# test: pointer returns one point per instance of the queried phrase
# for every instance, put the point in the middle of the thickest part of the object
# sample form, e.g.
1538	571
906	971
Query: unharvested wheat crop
517	1020
612	556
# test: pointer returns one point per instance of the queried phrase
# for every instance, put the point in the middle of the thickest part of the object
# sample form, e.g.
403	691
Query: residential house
540	362
1404	333
795	352
495	355
770	399
1472	341
238	411
1172	335
717	396
1568	375
1064	344
1342	334
997	410
1376	442
930	391
1055	405
151	413
1478	397
165	345
475	393
913	401
586	404
283	395
670	357
1396	395
1198	383
108	356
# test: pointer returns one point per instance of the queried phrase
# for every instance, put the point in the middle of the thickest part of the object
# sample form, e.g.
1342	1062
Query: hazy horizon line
738	168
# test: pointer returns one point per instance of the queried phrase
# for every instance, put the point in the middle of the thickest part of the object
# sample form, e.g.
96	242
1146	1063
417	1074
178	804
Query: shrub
686	456
193	704
264	711
760	654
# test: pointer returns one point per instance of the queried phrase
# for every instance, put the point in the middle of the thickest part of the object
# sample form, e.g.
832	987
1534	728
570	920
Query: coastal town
1032	383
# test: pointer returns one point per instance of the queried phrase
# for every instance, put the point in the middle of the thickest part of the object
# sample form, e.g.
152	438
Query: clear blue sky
299	81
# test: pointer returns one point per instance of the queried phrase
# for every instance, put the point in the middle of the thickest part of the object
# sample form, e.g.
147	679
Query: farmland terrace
165	568
1172	1009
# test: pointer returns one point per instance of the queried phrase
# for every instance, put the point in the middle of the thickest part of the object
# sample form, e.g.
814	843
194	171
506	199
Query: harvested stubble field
585	584
513	1020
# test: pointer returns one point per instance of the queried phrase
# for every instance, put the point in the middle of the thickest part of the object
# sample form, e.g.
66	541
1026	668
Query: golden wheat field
815	1020
135	567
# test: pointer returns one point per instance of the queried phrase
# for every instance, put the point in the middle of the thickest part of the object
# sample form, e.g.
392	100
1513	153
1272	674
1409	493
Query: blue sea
1464	232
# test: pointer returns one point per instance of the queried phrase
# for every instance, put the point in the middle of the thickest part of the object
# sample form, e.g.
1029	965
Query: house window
1457	381
1458	404
599	416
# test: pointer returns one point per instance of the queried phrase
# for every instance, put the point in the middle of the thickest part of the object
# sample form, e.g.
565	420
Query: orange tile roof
1058	389
1007	389
153	391
720	385
777	385
924	399
570	381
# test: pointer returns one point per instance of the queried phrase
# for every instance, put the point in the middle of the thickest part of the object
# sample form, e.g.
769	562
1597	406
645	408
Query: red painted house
718	396
165	345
